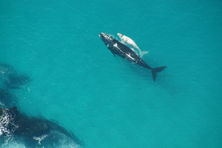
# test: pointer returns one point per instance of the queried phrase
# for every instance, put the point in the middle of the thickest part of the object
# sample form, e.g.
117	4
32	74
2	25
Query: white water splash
5	121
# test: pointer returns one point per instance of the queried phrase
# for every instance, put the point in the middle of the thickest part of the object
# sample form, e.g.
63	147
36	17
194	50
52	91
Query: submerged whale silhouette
17	127
32	131
11	79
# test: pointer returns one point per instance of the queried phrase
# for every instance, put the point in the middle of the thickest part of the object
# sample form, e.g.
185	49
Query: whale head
107	39
120	35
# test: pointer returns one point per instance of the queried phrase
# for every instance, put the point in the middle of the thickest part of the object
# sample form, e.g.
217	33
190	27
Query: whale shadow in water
10	79
7	99
15	81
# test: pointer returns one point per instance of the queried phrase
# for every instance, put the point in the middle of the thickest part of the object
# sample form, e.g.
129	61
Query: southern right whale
118	48
33	132
17	127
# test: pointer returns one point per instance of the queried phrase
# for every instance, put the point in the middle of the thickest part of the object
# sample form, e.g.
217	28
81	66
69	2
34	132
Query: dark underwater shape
6	69
33	132
118	48
7	99
10	79
15	81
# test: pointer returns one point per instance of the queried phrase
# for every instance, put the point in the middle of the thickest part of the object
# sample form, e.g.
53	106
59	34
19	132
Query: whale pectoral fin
143	53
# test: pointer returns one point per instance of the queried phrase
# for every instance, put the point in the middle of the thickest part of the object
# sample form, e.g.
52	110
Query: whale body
129	41
118	48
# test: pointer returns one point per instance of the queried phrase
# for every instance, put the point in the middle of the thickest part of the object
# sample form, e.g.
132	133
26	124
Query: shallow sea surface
106	101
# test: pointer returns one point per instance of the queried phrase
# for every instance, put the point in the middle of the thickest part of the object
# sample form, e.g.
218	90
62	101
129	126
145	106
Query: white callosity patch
116	45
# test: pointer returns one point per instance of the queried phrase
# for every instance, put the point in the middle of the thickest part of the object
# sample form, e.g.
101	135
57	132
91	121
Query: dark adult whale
33	132
18	128
118	48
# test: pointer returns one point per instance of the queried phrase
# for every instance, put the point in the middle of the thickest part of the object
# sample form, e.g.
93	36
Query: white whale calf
130	42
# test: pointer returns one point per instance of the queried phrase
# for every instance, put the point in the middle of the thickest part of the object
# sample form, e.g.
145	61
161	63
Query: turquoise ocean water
104	100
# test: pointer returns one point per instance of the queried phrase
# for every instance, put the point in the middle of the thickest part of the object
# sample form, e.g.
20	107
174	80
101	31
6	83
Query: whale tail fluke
156	70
